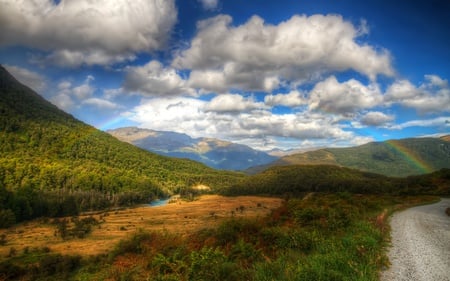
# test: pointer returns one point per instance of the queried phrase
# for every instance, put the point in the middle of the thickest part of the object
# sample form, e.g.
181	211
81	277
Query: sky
269	74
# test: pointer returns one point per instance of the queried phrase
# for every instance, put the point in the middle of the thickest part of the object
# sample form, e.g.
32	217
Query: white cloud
101	103
32	79
401	90
153	79
253	127
376	118
432	96
78	32
211	80
68	95
83	91
209	4
443	121
348	97
63	101
232	103
301	48
291	99
437	81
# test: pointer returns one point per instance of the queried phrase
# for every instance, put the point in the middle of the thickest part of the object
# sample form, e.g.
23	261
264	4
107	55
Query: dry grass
178	217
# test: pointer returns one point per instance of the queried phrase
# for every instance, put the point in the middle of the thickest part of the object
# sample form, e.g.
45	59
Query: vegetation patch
321	236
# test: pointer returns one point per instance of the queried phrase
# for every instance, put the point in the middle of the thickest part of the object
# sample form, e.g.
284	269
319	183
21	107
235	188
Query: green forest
54	165
300	179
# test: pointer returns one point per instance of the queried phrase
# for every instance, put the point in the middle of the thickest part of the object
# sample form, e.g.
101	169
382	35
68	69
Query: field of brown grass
179	217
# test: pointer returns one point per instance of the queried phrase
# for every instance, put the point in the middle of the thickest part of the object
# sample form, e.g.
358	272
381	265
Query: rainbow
410	156
112	123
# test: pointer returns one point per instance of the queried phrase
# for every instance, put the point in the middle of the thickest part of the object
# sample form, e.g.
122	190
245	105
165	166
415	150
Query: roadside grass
319	237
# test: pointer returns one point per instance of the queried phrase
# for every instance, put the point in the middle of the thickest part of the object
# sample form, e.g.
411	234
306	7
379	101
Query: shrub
230	231
132	245
58	264
211	264
7	218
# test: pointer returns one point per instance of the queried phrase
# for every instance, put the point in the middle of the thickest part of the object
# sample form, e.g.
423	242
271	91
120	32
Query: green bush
7	218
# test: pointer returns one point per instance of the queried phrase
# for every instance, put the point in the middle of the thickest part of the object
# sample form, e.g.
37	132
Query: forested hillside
397	158
47	155
299	179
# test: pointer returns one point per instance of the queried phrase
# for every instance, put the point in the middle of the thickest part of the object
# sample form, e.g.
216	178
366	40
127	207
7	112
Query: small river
159	202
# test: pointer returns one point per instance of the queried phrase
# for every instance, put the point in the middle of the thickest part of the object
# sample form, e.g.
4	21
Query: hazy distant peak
213	152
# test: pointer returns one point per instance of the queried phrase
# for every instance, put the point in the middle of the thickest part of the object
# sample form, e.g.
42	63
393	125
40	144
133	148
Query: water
159	202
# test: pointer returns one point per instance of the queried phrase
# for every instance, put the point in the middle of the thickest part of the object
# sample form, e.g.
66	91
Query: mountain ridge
398	158
213	152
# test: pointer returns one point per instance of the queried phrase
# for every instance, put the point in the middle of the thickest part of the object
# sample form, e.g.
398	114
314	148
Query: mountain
396	158
215	153
47	155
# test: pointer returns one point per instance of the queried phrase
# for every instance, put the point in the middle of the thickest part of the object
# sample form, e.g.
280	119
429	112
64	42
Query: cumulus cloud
301	48
32	79
254	127
211	80
291	99
75	32
153	79
68	95
209	4
343	98
432	96
376	118
232	103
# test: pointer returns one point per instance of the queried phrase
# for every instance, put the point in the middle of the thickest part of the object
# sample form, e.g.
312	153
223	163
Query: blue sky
269	74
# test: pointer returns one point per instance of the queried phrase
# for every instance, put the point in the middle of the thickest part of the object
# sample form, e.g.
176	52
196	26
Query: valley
74	203
181	217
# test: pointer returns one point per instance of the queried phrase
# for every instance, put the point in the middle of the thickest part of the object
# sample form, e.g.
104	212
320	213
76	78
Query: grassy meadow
319	236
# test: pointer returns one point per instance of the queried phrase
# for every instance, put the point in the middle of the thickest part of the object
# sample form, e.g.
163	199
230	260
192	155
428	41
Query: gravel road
420	244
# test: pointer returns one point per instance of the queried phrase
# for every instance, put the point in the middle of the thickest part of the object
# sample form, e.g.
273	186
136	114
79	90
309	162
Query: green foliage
58	264
79	229
7	218
54	165
39	264
396	158
314	241
132	245
300	179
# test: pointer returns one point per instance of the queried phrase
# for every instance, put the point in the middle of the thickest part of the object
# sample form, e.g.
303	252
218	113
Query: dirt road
420	244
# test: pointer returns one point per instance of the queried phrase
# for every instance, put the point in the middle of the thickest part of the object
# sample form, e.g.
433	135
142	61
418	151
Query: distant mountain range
215	153
396	158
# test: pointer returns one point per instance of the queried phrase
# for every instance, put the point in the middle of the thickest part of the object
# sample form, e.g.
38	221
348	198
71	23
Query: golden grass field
179	217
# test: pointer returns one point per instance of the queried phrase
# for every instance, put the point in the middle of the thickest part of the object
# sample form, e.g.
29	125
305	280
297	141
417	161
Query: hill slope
45	149
397	158
297	179
212	152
